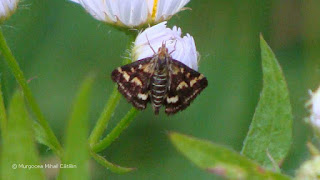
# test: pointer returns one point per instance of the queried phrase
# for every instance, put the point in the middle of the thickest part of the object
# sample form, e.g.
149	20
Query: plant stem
104	119
4	82
3	116
110	106
13	64
114	134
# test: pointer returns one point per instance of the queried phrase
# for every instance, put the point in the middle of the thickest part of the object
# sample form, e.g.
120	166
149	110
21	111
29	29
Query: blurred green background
57	44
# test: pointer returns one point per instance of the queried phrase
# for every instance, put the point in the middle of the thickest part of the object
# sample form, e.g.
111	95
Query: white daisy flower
132	13
315	109
183	48
7	8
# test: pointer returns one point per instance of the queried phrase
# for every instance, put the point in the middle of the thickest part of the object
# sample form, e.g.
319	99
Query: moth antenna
150	44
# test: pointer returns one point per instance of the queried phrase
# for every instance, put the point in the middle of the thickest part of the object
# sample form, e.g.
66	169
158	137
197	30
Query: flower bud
182	49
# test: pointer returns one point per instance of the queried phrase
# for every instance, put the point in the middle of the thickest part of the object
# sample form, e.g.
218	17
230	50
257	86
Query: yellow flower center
154	10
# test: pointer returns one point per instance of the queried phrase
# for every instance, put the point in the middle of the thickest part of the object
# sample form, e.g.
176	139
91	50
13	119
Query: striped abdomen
158	90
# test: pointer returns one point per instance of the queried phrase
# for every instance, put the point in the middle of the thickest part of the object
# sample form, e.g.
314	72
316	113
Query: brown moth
159	80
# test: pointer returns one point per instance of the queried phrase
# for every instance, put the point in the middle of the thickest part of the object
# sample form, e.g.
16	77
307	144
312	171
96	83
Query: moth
160	80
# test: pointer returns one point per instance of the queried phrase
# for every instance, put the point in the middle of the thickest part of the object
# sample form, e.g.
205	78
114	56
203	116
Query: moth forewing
185	86
133	82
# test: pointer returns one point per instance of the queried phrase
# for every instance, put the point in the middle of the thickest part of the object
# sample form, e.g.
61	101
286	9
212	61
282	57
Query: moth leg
174	48
170	70
169	81
150	45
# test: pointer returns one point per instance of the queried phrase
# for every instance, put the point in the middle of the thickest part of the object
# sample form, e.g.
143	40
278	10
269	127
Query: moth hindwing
160	80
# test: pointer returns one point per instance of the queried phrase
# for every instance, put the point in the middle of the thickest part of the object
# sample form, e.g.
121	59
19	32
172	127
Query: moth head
163	51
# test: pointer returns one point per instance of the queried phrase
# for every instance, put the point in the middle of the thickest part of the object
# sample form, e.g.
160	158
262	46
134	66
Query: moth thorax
161	64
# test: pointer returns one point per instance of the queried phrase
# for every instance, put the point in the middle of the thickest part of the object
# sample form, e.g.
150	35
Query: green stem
104	119
111	105
13	64
3	116
4	82
114	134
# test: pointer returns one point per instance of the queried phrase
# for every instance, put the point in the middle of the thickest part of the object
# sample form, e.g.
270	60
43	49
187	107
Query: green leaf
112	167
17	72
42	138
269	137
76	145
19	152
220	160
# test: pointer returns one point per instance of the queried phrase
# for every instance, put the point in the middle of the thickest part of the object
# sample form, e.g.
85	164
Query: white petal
95	9
316	102
7	7
2	9
152	33
186	53
315	109
12	4
150	5
132	12
193	54
102	10
111	10
167	8
155	36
